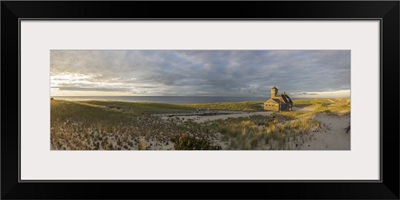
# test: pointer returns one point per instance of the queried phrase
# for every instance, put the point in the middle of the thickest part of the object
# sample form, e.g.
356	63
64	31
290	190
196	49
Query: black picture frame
386	11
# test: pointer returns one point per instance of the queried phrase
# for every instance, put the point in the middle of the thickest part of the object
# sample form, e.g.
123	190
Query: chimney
274	92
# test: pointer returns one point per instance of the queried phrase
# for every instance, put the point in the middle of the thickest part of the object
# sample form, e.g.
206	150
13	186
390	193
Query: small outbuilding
278	102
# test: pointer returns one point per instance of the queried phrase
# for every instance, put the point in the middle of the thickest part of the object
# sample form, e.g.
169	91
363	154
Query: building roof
273	101
281	98
285	98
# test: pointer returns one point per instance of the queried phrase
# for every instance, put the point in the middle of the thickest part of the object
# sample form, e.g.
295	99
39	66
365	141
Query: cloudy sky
303	73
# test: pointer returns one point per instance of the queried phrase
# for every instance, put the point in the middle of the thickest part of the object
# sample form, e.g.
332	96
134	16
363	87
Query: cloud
201	72
104	89
328	94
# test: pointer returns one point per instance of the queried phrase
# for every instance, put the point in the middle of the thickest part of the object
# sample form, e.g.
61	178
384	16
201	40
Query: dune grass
87	126
149	108
337	107
85	112
275	131
308	102
260	132
112	125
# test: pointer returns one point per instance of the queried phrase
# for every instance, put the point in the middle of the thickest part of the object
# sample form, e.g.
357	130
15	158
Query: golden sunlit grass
259	132
337	107
141	107
86	126
114	125
250	133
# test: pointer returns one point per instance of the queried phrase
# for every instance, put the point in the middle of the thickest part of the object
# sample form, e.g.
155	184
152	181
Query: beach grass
337	107
114	125
87	126
259	132
142	107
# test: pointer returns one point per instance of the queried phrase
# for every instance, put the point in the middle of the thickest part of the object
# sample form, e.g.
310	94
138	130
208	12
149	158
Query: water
164	99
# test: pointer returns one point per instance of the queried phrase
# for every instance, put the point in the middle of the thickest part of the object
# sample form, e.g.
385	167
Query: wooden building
278	102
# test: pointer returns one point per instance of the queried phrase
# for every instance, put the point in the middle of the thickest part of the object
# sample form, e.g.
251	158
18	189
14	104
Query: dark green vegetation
112	125
189	142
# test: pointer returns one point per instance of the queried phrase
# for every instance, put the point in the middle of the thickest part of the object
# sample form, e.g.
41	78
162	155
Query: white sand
332	136
200	119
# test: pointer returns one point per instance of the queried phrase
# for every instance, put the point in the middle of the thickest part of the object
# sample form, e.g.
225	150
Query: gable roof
282	99
273	101
287	98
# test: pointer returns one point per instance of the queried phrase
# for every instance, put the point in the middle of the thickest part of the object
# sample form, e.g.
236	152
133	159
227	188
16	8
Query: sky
300	73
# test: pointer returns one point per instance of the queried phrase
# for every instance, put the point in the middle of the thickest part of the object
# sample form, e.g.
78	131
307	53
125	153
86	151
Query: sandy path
332	136
200	119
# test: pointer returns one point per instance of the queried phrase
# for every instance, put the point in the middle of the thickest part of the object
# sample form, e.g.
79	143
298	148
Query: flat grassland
315	124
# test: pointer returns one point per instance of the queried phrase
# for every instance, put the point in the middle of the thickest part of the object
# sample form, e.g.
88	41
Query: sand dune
314	125
332	136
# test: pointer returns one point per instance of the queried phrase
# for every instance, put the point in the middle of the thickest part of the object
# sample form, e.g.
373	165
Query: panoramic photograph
200	100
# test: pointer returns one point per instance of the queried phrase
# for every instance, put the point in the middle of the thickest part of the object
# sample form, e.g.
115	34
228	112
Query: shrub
188	142
254	143
142	144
